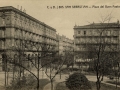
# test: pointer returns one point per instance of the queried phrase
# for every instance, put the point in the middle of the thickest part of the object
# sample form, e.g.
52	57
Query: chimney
21	8
24	11
117	21
17	6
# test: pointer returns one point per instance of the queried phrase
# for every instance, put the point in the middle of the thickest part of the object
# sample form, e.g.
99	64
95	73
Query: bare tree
115	65
101	51
68	54
37	61
42	51
55	67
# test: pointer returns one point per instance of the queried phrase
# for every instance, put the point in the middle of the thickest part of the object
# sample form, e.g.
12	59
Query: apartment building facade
18	28
94	35
64	44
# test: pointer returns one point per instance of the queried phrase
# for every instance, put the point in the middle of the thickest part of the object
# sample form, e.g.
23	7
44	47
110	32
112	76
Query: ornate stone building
64	44
19	32
94	35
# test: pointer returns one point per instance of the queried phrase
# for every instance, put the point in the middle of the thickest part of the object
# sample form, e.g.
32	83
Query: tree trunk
116	82
102	78
51	81
38	72
60	74
79	68
13	72
7	77
37	84
98	85
38	79
5	72
42	73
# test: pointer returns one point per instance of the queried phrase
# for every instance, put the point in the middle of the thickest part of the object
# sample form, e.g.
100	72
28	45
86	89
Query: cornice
10	8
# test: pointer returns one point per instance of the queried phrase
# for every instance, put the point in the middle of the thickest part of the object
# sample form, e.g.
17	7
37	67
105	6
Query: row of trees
43	57
105	56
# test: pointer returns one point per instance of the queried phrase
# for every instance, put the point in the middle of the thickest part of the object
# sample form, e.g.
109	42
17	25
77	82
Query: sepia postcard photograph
59	45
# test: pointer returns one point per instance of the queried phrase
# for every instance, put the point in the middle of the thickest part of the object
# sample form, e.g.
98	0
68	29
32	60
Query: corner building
17	26
89	35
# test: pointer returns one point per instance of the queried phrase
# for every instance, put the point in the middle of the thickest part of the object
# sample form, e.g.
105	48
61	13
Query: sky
62	18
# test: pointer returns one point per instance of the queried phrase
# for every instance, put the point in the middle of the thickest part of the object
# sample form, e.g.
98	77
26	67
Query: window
78	32
7	18
115	33
84	32
108	33
3	21
1	44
